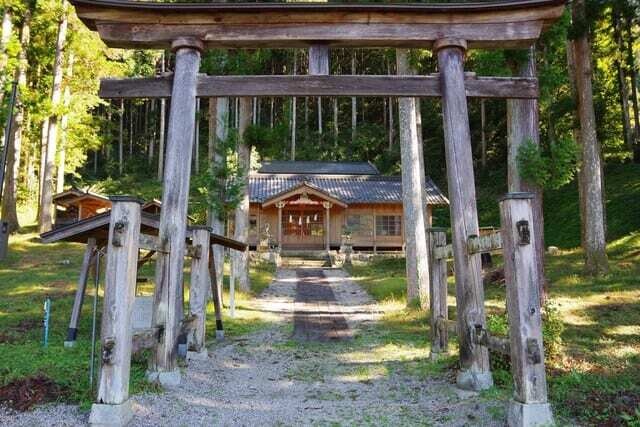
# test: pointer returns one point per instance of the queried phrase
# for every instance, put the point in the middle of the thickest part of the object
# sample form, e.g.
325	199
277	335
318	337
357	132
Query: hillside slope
561	206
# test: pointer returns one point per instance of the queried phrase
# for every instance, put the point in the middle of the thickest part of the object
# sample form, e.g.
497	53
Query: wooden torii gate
447	29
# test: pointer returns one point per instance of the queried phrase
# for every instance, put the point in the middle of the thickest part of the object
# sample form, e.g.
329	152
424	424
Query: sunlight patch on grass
364	373
624	330
391	352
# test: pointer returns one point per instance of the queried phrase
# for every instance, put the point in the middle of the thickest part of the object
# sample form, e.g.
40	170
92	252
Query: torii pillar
475	372
168	310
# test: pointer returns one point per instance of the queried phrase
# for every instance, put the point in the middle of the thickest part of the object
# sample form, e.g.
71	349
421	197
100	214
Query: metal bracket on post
533	351
524	233
107	350
194	251
119	229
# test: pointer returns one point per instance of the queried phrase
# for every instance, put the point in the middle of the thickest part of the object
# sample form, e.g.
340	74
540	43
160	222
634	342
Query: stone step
304	254
302	262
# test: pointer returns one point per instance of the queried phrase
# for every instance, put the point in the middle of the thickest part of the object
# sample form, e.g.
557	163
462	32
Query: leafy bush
552	328
551	169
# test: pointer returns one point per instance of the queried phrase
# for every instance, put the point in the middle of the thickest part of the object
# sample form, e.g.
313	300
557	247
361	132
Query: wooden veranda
448	30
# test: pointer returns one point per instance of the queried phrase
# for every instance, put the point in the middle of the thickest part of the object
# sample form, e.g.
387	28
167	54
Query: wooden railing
524	343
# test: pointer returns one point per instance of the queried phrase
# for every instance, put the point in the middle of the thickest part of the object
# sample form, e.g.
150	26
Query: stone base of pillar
198	355
103	415
168	380
436	356
473	380
529	414
219	335
69	344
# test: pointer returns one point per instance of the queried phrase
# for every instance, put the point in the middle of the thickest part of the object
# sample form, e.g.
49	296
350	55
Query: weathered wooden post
475	372
87	261
529	405
198	292
216	296
438	291
168	312
113	406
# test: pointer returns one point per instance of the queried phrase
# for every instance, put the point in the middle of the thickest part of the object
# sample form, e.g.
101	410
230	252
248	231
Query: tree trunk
241	231
121	139
306	117
354	102
63	125
254	117
271	108
633	73
161	137
294	109
152	137
10	195
623	89
336	130
46	201
571	71
417	261
132	118
43	159
7	28
218	130
591	181
483	135
392	125
522	126
320	117
319	65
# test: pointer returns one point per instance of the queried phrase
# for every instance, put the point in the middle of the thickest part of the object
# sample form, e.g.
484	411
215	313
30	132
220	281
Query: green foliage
222	185
552	329
551	170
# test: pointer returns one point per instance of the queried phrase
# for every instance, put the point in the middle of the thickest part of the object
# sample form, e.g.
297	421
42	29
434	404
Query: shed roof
98	227
75	195
347	188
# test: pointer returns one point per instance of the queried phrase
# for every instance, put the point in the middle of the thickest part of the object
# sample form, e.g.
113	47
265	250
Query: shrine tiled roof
347	188
318	168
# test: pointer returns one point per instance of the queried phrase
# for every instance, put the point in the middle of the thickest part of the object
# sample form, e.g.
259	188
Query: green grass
34	272
596	378
561	206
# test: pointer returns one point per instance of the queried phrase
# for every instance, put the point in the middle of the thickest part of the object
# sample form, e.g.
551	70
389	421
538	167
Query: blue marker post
47	316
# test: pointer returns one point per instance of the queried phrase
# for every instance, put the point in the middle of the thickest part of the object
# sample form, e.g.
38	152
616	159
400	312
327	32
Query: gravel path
268	379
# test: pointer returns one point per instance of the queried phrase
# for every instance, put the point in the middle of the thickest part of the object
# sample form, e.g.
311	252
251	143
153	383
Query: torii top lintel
501	24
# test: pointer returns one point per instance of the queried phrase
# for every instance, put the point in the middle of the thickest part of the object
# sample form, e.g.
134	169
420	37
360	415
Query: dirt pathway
277	378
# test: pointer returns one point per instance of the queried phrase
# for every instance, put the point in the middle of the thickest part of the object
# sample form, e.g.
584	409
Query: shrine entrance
303	228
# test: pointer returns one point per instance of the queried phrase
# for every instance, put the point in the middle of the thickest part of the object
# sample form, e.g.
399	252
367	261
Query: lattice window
388	225
360	225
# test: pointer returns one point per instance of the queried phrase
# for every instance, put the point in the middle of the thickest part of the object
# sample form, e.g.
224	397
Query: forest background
64	134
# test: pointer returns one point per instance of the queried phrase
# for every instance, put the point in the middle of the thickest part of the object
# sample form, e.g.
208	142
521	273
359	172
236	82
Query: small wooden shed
74	205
